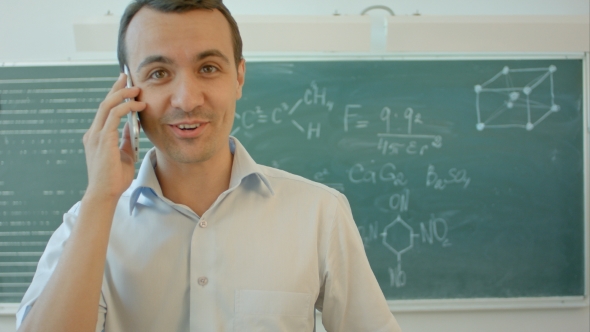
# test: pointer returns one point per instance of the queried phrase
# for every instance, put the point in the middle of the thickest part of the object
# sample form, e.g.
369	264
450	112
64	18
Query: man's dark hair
176	6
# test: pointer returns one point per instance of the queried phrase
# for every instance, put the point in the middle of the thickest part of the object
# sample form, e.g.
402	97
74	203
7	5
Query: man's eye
209	69
158	74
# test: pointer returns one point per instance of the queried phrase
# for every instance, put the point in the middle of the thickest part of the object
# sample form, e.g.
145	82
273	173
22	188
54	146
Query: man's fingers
110	102
114	119
111	125
119	83
126	136
116	95
107	120
126	141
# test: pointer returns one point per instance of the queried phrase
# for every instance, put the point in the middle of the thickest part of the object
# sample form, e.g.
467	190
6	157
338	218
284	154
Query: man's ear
241	77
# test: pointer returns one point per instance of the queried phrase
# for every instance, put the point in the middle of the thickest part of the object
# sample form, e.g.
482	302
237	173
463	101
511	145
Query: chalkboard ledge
446	305
488	304
8	309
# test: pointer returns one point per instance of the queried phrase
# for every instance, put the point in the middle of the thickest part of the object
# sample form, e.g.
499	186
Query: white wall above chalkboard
489	34
400	33
39	30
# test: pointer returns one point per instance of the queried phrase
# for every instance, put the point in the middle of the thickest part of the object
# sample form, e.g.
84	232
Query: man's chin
189	154
192	157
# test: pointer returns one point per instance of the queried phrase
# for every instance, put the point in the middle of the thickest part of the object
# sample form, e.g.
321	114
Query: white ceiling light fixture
378	28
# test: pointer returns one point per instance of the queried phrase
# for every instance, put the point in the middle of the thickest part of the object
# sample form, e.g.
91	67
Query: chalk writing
386	173
517	98
456	176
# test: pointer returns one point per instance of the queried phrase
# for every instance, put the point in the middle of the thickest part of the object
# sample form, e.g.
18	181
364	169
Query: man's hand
110	166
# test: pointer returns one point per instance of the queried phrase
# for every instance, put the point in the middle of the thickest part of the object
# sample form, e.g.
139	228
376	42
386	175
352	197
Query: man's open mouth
188	126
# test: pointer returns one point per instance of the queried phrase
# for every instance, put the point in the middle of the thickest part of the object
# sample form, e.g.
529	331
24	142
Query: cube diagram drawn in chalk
516	98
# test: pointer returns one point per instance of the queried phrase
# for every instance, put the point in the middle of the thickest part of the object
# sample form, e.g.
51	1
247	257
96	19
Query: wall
40	30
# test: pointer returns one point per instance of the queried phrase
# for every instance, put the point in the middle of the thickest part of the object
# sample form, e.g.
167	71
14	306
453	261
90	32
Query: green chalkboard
465	177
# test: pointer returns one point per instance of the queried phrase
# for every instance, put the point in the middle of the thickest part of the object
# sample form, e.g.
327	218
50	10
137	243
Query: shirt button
203	281
203	223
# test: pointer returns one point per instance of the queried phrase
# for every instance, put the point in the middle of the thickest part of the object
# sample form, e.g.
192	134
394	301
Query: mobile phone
132	120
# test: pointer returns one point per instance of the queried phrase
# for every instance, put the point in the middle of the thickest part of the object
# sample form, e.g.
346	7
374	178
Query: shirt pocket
260	311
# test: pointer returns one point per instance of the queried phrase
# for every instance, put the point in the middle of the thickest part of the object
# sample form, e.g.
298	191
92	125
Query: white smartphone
132	120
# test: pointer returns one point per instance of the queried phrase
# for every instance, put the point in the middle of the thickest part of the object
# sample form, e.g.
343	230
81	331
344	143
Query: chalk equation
389	142
413	143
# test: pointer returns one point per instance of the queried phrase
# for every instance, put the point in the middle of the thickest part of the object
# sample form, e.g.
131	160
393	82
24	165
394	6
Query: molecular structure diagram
398	226
510	98
398	237
397	247
314	97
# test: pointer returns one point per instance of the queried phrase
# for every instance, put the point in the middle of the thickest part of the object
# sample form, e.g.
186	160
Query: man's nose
188	92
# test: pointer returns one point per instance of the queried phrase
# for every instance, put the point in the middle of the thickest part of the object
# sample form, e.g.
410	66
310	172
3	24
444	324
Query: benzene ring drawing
516	98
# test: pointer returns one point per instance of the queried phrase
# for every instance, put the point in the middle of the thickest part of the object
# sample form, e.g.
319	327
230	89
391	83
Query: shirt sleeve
351	299
46	266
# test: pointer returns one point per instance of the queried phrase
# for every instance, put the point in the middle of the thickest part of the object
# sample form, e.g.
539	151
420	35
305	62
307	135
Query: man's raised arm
69	301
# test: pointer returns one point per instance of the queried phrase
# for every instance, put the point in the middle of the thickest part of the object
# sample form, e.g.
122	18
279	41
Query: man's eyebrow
211	53
154	58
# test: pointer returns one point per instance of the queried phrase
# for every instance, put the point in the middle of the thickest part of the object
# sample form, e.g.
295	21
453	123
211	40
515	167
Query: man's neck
196	185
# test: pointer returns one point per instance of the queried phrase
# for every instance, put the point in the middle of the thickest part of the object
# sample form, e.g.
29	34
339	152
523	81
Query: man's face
184	65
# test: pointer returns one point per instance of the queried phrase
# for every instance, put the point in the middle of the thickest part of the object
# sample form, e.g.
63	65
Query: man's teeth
189	126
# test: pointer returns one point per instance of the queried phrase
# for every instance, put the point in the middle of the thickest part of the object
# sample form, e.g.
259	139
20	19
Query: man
204	239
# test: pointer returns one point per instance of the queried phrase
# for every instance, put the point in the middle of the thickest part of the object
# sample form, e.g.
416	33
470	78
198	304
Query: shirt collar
243	166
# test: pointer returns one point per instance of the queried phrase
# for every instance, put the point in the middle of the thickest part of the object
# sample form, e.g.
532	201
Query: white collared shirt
271	249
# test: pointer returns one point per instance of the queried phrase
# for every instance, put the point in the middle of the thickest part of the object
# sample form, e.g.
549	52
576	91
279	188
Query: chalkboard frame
433	304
